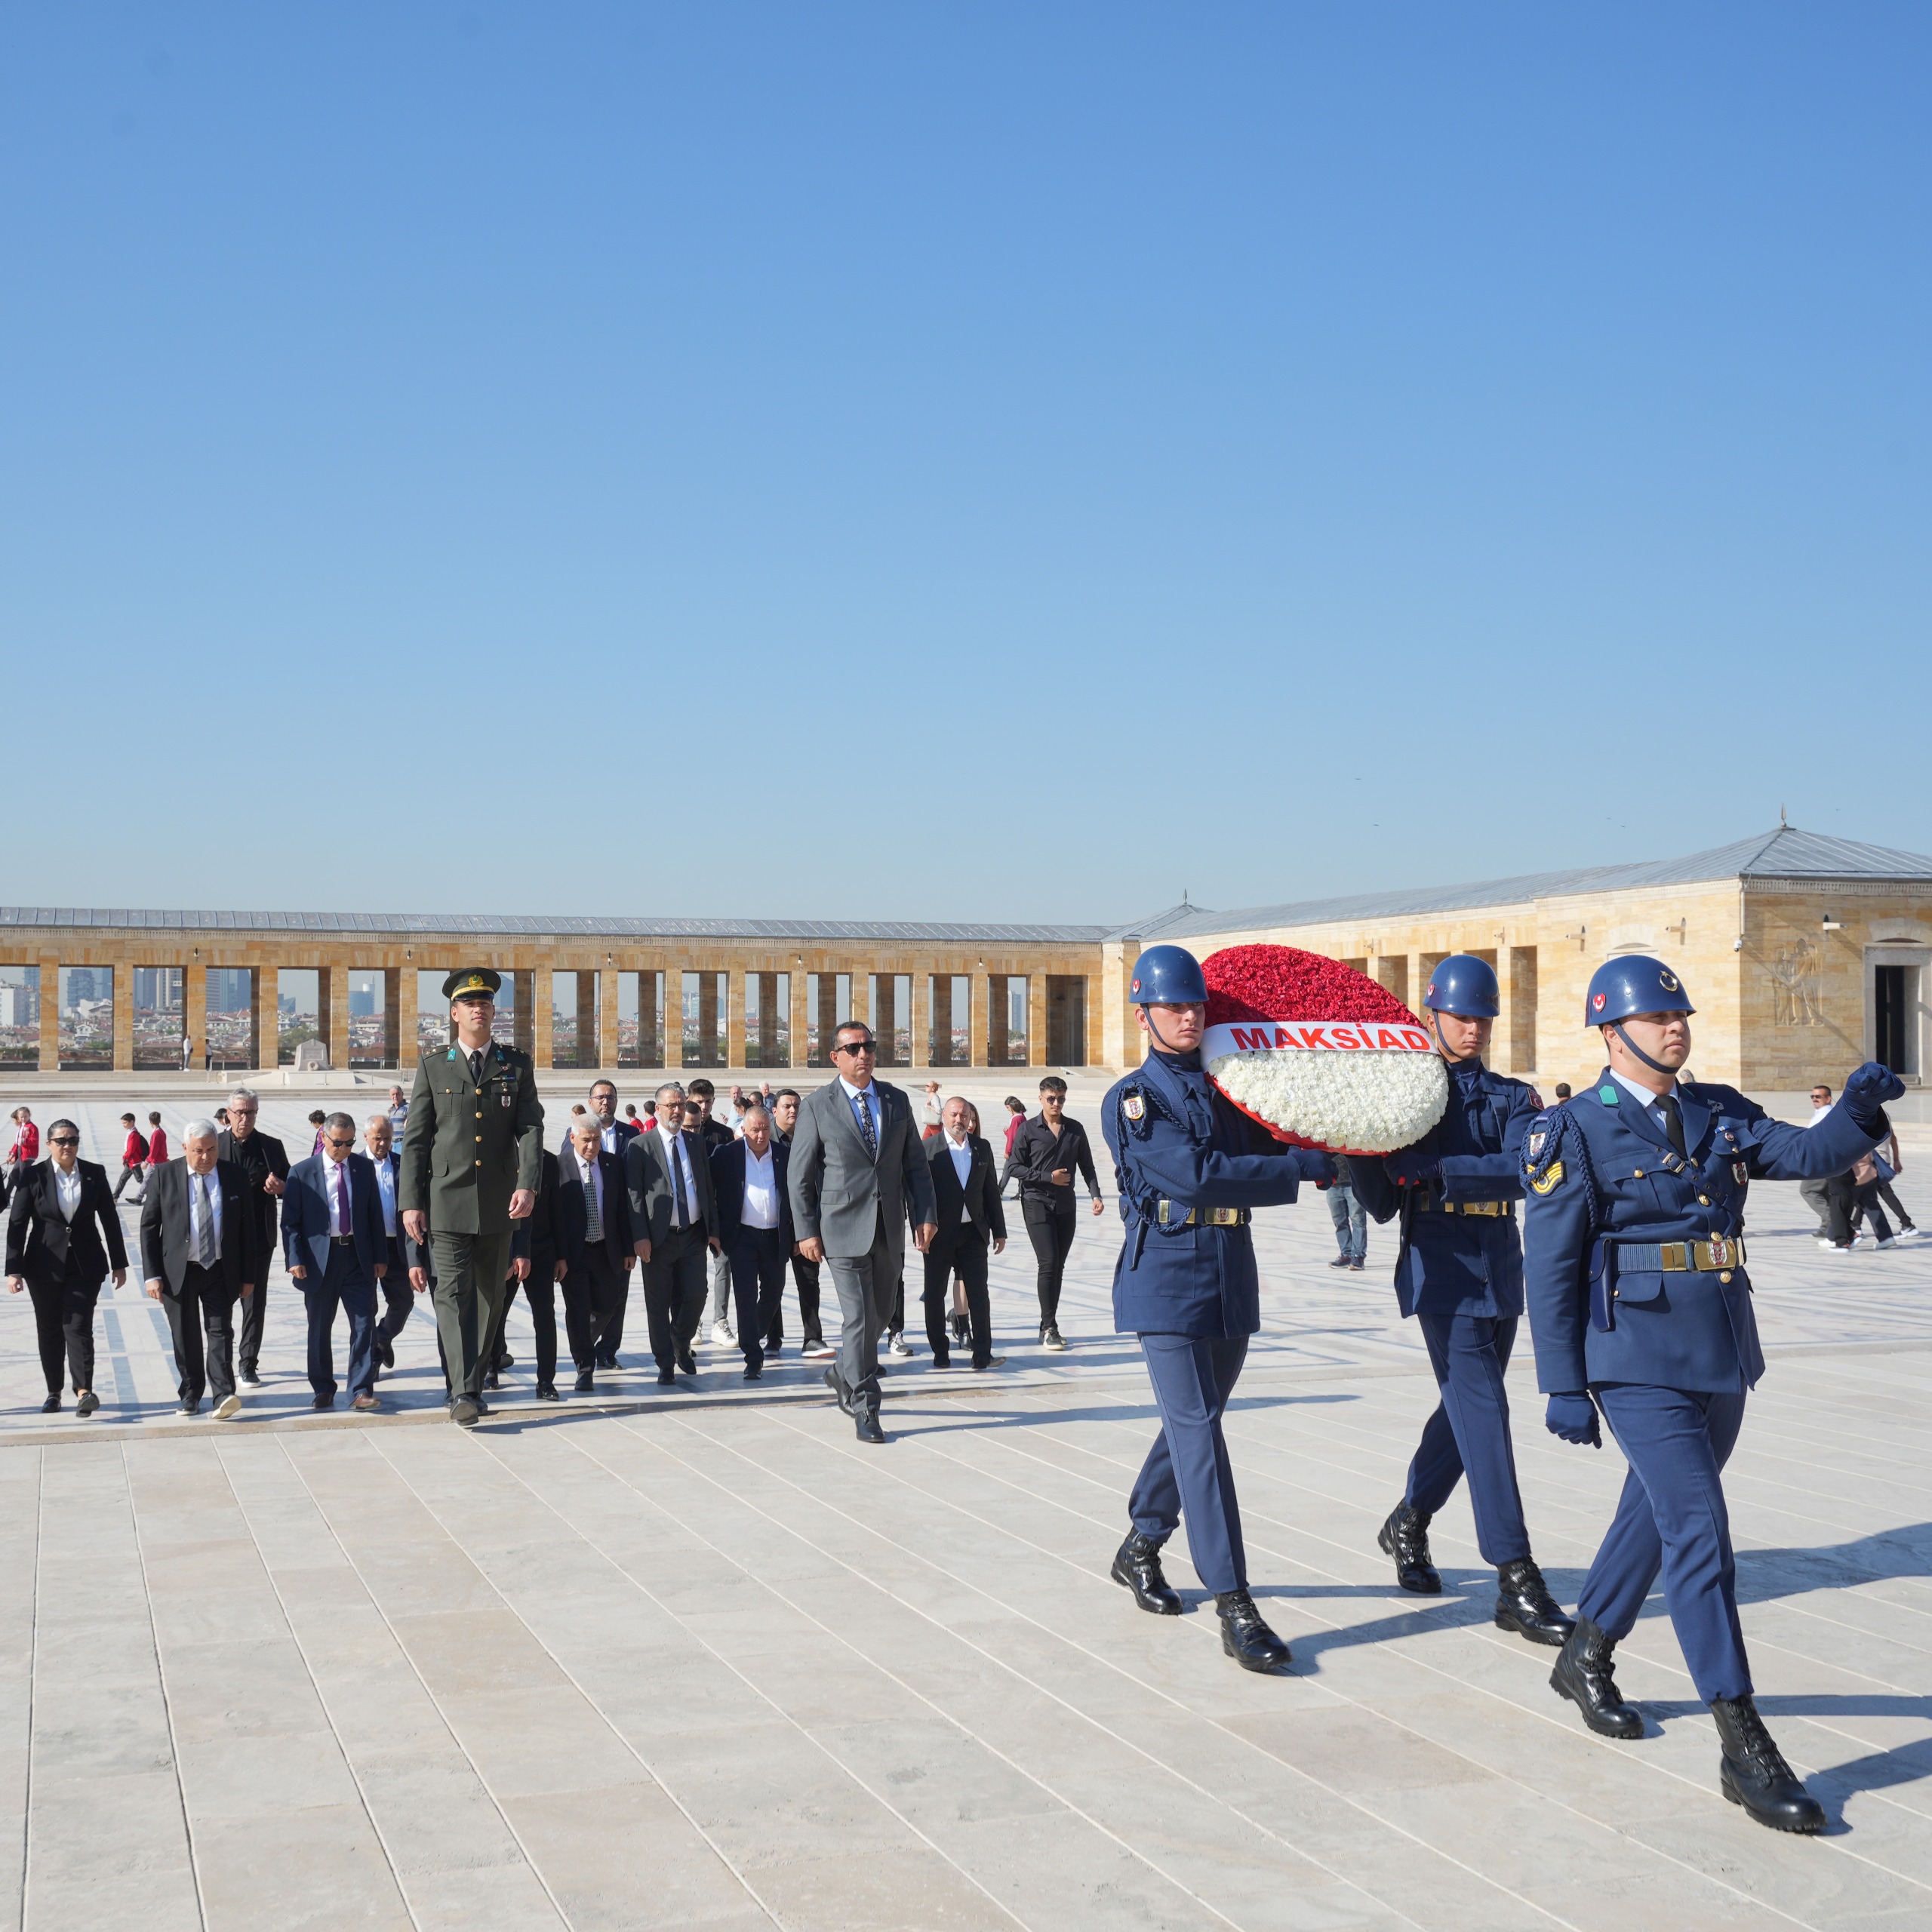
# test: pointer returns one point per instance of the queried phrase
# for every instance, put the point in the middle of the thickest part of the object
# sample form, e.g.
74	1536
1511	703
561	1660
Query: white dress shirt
760	1208
593	1199
67	1192
961	1151
386	1193
340	1223
198	1201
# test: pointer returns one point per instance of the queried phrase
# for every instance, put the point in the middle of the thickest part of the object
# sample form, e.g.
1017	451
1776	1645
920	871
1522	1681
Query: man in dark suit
263	1162
616	1134
594	1237
784	1108
399	1302
62	1235
748	1183
198	1255
334	1245
857	1174
672	1219
966	1198
537	1268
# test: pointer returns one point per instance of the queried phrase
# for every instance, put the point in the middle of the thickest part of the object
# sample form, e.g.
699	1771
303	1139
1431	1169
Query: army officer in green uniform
473	1151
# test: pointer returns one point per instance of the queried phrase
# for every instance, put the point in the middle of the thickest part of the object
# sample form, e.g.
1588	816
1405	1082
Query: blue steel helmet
1167	976
1633	983
1465	986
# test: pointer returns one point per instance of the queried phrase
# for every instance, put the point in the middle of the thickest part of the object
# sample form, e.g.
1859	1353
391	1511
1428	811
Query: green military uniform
468	1144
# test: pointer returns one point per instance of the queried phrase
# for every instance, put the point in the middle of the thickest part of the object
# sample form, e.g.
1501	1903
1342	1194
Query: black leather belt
342	1241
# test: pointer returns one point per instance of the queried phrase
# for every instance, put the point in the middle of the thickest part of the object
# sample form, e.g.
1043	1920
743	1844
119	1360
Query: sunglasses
855	1046
65	1140
333	1142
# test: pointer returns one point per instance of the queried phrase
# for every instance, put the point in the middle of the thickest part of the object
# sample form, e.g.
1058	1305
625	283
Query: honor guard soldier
1459	1272
1191	1167
1640	1309
472	1149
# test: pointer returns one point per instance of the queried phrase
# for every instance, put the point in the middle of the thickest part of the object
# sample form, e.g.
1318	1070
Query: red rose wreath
1317	1052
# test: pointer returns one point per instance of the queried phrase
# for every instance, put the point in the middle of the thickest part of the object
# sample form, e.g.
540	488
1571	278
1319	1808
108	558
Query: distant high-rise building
361	1000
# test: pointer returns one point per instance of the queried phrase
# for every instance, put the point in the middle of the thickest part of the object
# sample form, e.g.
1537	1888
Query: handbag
1865	1171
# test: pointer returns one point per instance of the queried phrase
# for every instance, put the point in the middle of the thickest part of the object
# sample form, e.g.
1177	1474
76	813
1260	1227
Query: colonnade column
1037	1047
123	1016
541	996
979	1018
734	1018
265	997
922	1015
333	994
802	1016
195	1011
607	983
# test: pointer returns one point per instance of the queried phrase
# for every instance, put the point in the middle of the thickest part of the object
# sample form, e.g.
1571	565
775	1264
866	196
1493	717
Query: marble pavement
705	1661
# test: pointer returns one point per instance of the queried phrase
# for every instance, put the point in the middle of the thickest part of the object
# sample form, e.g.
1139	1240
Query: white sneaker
1891	1240
229	1406
901	1347
1829	1246
1908	1234
721	1336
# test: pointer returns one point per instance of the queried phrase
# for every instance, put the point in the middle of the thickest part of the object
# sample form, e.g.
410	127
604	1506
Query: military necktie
1673	1122
476	1066
205	1252
861	1104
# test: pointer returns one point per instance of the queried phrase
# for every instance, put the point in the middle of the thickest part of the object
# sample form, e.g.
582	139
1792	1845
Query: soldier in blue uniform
1640	1309
1191	1167
1460	1273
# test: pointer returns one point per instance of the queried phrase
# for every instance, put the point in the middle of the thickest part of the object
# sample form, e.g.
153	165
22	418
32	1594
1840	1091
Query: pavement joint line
33	1660
717	1851
166	1699
1423	1844
1079	1811
1832	1840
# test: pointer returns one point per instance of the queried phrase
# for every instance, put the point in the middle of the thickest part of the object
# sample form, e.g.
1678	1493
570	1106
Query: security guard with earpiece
472	1149
1459	1272
1191	1168
1640	1310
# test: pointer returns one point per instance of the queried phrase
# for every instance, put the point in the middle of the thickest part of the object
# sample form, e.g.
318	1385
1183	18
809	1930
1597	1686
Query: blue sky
952	462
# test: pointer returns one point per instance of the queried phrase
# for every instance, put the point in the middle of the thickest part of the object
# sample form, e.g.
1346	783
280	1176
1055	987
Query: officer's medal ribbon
1319	1054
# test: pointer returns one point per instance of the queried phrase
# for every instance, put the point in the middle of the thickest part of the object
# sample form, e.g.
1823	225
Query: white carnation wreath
1336	1091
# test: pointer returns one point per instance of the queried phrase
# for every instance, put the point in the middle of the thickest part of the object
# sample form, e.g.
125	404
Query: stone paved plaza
704	1660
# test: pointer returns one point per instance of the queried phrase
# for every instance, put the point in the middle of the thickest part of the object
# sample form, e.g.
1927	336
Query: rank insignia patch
1547	1183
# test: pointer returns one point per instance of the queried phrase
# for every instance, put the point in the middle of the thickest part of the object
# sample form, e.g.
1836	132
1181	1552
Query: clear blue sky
1069	452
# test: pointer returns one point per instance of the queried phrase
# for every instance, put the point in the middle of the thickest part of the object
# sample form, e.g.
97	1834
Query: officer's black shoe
1524	1604
687	1363
1405	1537
586	1381
1752	1771
1583	1674
1137	1564
1245	1636
546	1391
838	1391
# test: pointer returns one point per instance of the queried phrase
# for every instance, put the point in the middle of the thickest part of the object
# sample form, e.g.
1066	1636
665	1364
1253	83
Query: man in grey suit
858	1174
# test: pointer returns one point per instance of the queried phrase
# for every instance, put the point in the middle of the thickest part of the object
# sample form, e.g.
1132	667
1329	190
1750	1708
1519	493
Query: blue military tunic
1606	1187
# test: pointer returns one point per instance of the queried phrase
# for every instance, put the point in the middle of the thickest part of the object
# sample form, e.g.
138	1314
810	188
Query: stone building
1804	954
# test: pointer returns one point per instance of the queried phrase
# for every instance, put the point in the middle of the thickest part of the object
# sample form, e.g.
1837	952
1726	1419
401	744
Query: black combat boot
1137	1564
1584	1675
1405	1537
1752	1771
1524	1604
1245	1636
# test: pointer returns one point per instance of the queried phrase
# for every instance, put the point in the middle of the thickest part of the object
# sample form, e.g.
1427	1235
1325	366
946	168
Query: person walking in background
748	1182
1562	1091
157	1141
399	1298
711	1134
813	1346
1817	1194
398	1113
198	1256
536	1263
1887	1161
133	1158
315	1120
63	1238
26	1148
594	1237
335	1248
966	1203
932	1113
263	1163
1350	1217
1047	1152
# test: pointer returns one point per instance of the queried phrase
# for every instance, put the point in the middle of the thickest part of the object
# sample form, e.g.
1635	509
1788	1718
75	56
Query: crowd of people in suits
698	1208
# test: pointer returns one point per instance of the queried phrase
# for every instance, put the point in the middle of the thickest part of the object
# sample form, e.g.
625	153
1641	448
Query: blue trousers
1672	1517
758	1285
1469	1432
348	1286
1187	1476
1351	1220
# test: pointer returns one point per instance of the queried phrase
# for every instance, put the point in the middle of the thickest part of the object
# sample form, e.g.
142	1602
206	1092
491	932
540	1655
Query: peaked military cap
467	979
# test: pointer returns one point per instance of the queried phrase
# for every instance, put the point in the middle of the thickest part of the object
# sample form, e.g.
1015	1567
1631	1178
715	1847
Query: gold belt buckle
1224	1217
1721	1253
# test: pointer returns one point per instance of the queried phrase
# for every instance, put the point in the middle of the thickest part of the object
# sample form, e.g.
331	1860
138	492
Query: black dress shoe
88	1403
546	1391
754	1375
1245	1636
493	1380
1752	1771
1583	1674
463	1411
189	1408
51	1406
482	1407
840	1394
1405	1537
585	1381
942	1361
665	1379
322	1402
869	1431
687	1364
385	1350
1524	1604
505	1361
1137	1564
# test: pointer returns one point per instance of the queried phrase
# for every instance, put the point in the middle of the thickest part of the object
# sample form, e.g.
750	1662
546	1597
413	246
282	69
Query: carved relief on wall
1794	976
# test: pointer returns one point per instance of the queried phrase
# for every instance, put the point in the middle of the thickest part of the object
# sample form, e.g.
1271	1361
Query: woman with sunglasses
61	1209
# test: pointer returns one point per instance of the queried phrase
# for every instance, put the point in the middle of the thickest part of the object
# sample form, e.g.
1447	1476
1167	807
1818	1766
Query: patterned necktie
342	1197
205	1255
593	1200
1673	1122
861	1104
476	1066
678	1182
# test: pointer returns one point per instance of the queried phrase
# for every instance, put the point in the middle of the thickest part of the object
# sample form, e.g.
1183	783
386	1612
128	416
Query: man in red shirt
133	1158
157	1141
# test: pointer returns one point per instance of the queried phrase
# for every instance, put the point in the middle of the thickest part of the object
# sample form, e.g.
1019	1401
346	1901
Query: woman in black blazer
55	1251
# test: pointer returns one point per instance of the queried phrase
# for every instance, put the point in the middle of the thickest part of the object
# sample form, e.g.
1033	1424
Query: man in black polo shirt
264	1163
1047	1152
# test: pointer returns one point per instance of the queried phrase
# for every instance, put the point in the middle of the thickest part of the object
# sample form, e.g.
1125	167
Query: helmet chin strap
1655	1066
1154	1033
